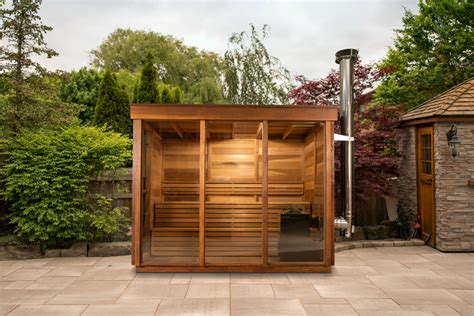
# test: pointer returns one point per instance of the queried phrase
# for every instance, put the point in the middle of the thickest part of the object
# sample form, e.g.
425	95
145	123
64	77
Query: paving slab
6	308
194	306
436	309
423	297
330	309
251	290
48	310
467	295
51	283
90	292
26	274
374	304
266	306
136	291
208	291
365	281
294	291
111	274
25	296
121	309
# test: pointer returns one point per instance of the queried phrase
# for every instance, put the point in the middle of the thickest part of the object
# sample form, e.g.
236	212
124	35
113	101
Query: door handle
427	181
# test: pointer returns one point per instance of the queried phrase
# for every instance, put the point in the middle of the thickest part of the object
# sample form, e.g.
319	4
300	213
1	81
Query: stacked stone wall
454	197
407	180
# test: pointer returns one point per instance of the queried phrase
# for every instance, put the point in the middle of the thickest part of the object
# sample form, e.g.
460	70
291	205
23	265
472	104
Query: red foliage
326	91
376	158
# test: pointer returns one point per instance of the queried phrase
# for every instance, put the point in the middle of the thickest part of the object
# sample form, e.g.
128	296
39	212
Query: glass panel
171	221
233	214
426	154
296	192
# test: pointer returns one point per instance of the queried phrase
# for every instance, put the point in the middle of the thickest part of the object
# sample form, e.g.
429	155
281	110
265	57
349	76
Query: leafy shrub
46	179
108	223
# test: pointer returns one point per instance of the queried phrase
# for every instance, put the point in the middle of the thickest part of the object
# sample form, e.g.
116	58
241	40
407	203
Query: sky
304	35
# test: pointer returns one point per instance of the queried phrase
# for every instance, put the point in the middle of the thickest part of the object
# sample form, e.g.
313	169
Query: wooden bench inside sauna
232	195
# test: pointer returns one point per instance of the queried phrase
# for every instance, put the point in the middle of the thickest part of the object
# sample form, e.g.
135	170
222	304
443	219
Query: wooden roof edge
437	119
435	98
305	106
183	112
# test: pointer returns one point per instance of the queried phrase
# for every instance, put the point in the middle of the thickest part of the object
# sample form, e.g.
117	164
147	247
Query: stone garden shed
437	173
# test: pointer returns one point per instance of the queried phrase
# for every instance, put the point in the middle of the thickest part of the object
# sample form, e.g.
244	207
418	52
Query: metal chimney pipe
345	58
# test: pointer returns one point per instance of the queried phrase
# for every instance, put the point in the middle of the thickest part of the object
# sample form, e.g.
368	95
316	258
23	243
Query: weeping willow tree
252	75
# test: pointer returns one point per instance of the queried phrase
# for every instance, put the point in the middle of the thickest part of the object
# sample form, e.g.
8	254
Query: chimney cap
346	53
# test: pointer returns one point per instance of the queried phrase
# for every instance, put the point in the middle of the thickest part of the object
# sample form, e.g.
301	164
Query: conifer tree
148	85
165	94
29	100
135	91
177	95
112	108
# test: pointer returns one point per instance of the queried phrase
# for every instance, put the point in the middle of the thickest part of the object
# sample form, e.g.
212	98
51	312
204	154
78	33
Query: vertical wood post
202	190
265	194
137	192
329	193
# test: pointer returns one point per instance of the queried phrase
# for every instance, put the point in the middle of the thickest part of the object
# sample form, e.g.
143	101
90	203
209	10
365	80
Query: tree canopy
82	87
177	64
431	53
252	75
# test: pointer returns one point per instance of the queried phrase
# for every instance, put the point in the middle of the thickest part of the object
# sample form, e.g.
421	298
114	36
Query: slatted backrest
233	160
285	160
180	161
284	189
180	191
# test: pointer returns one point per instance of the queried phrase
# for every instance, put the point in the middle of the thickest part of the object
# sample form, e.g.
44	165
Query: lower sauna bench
233	231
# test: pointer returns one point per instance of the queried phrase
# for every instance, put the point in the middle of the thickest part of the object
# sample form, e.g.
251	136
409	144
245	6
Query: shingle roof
459	100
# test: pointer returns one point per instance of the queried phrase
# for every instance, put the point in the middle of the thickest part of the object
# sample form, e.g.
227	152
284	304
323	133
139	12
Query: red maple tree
376	157
325	91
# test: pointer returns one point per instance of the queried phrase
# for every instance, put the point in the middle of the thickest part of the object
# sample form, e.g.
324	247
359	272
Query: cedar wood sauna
233	188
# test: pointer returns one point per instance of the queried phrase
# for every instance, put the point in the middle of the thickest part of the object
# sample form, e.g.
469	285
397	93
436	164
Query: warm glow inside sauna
233	188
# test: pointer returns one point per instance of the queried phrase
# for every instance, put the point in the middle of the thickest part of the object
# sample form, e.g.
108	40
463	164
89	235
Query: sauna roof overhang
225	112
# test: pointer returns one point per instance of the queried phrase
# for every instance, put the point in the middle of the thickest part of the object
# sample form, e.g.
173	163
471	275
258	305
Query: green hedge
46	180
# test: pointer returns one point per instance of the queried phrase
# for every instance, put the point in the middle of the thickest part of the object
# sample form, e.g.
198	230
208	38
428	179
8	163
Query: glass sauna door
171	199
295	192
233	204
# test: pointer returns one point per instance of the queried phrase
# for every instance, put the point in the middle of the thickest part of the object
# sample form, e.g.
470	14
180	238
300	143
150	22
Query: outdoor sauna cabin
233	188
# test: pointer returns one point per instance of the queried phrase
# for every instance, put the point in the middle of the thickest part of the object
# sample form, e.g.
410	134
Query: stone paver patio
365	281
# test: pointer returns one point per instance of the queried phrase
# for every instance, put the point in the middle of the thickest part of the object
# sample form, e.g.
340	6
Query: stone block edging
82	249
347	245
78	249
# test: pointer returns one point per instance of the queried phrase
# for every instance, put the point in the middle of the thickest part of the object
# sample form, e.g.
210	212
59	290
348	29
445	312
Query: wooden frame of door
421	177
